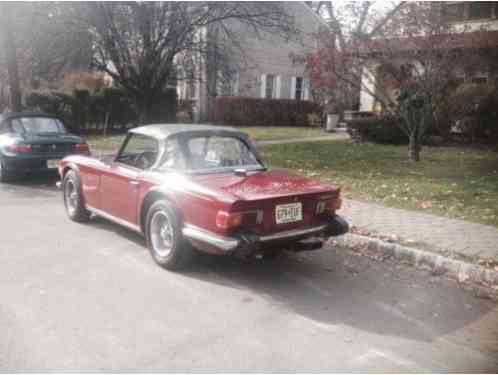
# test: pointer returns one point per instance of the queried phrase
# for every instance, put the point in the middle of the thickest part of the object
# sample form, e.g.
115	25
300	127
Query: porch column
368	83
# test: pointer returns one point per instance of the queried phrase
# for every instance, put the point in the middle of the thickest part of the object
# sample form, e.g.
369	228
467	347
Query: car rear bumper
246	243
21	164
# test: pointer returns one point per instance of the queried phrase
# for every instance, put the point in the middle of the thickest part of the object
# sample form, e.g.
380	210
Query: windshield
37	125
209	153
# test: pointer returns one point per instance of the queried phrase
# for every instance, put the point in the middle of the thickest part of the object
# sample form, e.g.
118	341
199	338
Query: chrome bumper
239	241
225	243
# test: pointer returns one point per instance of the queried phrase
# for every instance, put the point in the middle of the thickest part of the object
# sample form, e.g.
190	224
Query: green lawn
269	133
454	182
111	143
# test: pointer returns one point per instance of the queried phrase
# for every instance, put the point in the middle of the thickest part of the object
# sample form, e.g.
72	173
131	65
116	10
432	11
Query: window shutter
306	87
278	85
263	85
293	88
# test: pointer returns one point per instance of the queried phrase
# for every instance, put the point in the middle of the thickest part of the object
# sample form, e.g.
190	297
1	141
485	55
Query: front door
120	182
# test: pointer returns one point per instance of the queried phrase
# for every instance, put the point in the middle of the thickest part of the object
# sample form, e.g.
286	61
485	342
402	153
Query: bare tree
136	43
409	64
351	24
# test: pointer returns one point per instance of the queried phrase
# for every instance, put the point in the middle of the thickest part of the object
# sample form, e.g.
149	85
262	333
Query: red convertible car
202	187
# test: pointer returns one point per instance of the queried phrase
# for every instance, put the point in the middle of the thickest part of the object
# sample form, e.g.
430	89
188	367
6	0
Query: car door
120	182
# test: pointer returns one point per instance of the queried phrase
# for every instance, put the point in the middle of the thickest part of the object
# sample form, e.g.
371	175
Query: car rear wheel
164	237
73	199
5	175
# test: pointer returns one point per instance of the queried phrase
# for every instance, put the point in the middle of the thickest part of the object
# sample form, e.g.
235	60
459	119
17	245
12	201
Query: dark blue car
34	142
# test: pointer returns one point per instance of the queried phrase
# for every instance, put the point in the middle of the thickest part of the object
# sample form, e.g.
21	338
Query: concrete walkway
437	233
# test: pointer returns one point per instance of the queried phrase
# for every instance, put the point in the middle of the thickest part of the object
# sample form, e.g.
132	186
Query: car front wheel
164	237
73	199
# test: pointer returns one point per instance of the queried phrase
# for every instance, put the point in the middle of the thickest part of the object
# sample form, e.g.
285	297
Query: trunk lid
264	191
263	185
51	143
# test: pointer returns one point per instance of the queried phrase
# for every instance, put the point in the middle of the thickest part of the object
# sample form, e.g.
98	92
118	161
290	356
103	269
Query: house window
298	95
480	9
453	11
191	86
479	80
229	85
269	86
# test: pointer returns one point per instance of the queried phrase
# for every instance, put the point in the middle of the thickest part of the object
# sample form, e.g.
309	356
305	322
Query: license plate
53	163
288	213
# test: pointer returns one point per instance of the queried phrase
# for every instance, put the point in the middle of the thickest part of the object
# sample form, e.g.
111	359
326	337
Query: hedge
241	111
379	129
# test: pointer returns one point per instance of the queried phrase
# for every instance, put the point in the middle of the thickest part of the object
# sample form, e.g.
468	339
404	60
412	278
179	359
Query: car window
139	151
173	157
218	152
37	125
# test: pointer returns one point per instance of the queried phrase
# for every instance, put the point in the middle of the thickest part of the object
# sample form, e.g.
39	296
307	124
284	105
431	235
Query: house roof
162	131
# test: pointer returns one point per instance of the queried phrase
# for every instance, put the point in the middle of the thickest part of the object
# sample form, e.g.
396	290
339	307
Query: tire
73	198
165	240
5	176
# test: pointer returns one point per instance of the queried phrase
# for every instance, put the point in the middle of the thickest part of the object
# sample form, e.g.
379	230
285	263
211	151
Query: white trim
306	89
263	86
293	88
236	84
278	86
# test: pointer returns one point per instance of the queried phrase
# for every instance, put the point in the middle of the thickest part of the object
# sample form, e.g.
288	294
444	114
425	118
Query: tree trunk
11	57
414	149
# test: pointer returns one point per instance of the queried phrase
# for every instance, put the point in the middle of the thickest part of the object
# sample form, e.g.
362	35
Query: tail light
19	149
82	148
228	220
330	206
334	205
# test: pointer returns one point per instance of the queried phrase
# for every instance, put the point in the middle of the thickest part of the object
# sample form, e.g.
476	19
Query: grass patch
270	133
104	145
262	133
454	182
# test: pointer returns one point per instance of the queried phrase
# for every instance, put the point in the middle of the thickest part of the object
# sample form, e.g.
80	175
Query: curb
438	264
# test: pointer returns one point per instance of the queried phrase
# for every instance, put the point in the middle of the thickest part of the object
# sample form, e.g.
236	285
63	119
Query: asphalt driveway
89	297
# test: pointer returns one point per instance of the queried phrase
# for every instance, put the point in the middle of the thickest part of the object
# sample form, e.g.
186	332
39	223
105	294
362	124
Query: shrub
239	111
56	103
379	129
315	120
82	108
474	108
185	110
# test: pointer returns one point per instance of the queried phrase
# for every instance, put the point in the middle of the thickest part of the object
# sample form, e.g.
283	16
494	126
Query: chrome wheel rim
71	195
161	234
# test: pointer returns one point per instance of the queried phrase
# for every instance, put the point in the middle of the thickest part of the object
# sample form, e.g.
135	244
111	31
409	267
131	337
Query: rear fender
66	167
153	195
